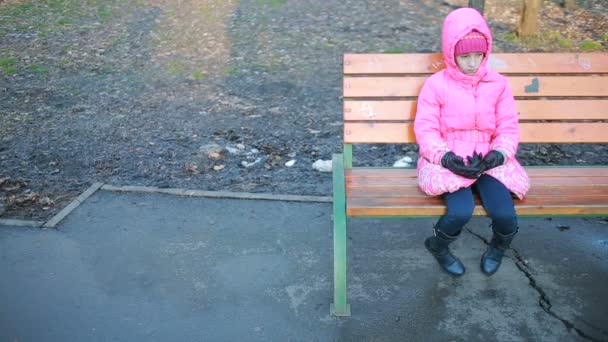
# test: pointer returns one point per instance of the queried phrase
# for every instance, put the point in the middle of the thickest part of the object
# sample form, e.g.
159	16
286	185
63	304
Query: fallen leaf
17	186
214	155
45	201
191	167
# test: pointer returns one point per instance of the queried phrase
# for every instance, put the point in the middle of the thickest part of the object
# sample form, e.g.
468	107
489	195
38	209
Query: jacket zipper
476	115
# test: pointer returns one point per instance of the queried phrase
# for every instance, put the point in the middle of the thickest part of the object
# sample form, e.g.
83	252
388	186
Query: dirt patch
190	39
213	95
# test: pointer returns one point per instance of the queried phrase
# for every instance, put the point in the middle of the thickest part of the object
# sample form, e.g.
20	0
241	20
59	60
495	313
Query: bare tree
477	4
528	25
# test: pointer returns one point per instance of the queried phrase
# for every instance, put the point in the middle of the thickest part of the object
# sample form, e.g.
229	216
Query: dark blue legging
496	199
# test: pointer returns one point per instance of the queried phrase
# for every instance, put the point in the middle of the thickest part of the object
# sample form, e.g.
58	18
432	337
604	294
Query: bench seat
555	191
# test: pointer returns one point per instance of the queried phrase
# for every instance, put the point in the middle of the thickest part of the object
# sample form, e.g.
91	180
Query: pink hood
455	26
466	114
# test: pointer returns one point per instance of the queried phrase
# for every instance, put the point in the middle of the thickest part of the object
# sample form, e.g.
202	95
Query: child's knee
458	214
461	216
504	224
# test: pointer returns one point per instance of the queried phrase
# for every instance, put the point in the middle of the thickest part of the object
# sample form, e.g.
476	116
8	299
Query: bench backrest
561	97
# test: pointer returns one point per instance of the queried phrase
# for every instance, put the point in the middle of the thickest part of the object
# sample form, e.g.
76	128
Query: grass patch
21	9
565	43
9	70
395	50
8	65
175	67
6	62
103	14
64	21
37	68
106	68
544	40
230	70
553	40
511	37
209	14
65	62
590	45
271	3
49	16
198	75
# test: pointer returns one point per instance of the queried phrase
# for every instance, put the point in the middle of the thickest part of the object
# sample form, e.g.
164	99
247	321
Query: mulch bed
214	94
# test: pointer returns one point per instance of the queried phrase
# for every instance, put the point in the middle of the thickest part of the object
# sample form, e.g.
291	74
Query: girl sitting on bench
467	129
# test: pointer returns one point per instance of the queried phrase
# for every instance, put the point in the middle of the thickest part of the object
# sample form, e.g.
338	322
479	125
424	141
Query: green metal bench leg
339	307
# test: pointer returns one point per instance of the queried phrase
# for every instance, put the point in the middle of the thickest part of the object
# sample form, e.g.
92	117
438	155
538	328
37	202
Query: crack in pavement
544	302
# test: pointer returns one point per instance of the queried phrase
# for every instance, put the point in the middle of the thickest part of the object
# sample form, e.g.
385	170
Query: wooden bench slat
415	192
554	132
368	182
434	206
538	63
565	171
385	192
383	86
426	210
438	210
533	172
562	109
398	133
380	173
522	86
379	110
393	63
565	209
545	132
527	109
361	202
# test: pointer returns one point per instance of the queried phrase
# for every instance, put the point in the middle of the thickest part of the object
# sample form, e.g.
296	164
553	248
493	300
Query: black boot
438	246
491	259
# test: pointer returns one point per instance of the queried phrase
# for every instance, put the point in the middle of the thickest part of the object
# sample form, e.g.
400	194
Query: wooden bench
561	98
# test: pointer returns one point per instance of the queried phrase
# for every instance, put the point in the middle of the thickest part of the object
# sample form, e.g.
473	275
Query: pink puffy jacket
466	114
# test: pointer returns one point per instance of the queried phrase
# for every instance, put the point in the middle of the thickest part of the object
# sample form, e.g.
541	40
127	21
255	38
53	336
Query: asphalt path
153	267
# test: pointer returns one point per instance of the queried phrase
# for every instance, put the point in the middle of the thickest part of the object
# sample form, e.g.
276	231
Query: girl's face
469	62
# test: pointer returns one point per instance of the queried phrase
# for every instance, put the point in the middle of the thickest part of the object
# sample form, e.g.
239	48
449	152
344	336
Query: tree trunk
528	25
477	4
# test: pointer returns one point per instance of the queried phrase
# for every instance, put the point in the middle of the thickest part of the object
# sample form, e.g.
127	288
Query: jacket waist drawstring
474	136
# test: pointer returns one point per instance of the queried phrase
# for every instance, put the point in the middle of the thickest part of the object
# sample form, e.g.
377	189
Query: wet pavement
131	267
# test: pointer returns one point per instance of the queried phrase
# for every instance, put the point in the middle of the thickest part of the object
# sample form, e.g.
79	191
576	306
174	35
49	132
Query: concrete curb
218	194
52	223
21	223
75	203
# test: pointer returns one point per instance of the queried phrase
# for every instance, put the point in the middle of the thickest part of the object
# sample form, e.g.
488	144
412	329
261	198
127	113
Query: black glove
476	161
455	164
492	160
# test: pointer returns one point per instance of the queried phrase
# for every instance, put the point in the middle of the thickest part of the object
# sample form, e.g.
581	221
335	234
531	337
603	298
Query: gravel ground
208	94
